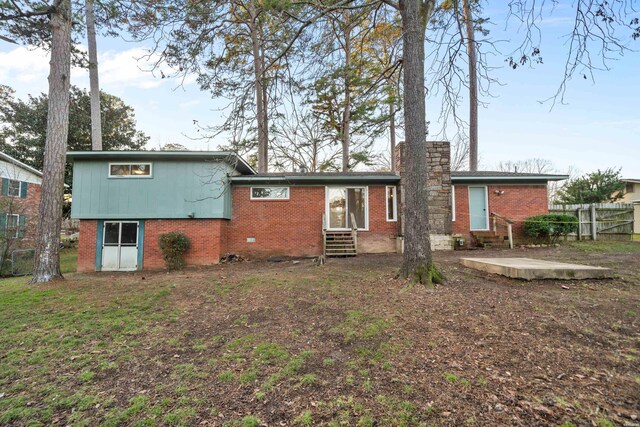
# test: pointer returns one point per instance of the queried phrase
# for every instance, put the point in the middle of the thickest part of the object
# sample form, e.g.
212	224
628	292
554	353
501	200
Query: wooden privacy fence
608	220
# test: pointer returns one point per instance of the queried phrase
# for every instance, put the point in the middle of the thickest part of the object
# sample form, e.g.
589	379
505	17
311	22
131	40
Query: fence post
579	224
594	223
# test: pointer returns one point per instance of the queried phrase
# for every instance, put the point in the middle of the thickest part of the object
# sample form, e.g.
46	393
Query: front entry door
478	210
120	246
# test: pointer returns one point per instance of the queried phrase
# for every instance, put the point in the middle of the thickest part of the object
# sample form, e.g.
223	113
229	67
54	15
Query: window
270	193
13	225
392	204
453	203
342	202
629	187
129	170
13	188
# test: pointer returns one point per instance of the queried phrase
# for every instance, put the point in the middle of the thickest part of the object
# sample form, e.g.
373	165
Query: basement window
130	170
269	193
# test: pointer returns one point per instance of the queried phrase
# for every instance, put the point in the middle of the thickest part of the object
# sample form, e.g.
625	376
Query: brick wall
87	245
517	202
207	238
294	227
28	207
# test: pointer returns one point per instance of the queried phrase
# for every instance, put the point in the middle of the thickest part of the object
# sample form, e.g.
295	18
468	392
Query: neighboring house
631	191
19	202
124	200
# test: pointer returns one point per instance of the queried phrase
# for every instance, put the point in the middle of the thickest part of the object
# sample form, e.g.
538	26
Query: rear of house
125	200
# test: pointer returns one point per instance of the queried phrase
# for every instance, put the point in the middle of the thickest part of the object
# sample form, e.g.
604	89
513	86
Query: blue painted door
478	214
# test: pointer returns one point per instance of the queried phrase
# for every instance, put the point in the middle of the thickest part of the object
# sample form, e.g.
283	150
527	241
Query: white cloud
26	69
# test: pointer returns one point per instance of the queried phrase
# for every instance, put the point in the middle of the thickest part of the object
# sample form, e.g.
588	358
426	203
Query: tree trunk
96	122
392	134
417	261
473	87
346	114
261	112
47	253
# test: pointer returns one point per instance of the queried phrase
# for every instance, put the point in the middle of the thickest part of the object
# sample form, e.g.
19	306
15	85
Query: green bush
174	245
550	227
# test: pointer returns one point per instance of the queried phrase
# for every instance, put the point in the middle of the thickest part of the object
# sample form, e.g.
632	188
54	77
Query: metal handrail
509	226
354	232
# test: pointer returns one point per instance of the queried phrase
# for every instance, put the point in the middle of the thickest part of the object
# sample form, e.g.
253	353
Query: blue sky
599	127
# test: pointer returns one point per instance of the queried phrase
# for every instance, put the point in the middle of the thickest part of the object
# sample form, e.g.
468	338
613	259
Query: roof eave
532	178
315	179
244	167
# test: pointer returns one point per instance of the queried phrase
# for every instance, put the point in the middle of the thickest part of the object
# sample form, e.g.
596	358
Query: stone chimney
439	167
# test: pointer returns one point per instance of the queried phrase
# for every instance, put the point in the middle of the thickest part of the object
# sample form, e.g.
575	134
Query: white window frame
453	203
269	198
394	189
9	188
366	204
131	175
6	225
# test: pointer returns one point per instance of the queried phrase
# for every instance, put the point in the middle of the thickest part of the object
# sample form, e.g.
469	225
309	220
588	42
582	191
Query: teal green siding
176	189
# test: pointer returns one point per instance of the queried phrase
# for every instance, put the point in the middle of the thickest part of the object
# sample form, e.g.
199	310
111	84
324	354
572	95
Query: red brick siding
87	245
206	235
207	241
381	236
517	203
294	227
29	207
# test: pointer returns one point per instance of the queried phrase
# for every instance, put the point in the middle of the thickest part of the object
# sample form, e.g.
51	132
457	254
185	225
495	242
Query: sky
597	127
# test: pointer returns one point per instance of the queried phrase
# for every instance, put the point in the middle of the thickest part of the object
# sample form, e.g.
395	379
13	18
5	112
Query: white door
478	214
341	202
120	246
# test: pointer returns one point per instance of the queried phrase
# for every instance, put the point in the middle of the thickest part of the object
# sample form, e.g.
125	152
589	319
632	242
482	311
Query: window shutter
22	220
3	222
23	189
5	187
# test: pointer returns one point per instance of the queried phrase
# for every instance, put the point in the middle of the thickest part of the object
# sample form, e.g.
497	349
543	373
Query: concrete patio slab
530	269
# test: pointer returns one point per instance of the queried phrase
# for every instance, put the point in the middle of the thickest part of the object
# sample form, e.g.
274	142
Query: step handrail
509	225
354	232
324	235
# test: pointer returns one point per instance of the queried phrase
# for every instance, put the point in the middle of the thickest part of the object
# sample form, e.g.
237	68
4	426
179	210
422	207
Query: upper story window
13	188
270	193
392	204
130	170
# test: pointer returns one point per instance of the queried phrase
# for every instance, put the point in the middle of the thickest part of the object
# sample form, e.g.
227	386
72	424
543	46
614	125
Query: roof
497	176
231	158
318	178
635	181
8	158
387	177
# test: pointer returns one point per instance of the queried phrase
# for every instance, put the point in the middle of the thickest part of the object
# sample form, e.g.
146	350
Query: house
631	191
124	200
19	202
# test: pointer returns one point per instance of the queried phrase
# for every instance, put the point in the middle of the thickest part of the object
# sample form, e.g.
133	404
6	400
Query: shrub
174	245
550	226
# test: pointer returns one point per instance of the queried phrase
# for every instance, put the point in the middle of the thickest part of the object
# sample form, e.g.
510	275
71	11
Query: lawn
258	343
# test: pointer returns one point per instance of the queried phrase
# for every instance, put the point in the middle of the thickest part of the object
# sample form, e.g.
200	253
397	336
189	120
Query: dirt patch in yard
259	343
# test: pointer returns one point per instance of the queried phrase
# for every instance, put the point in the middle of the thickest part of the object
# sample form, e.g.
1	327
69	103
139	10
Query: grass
607	247
340	345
